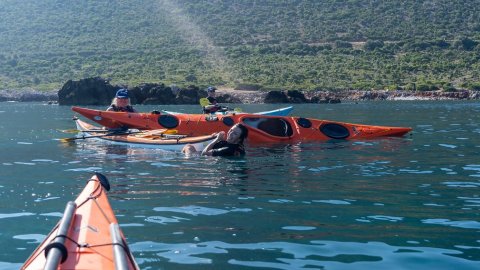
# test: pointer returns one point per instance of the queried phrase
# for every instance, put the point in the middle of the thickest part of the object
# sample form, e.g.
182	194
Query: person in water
121	102
232	145
213	105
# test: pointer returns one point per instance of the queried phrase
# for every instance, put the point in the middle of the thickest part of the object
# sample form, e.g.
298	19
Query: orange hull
88	243
262	128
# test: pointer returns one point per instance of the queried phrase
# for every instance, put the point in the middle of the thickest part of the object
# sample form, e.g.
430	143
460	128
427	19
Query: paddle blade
67	140
237	109
204	102
159	132
171	131
69	130
162	131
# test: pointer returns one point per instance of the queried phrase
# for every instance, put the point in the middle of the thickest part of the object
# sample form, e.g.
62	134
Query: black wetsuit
212	100
223	148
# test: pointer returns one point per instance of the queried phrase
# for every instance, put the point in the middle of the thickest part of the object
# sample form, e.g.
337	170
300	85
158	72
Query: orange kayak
87	236
262	128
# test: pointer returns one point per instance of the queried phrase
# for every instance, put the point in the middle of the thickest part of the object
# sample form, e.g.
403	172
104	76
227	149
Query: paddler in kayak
213	106
232	145
121	102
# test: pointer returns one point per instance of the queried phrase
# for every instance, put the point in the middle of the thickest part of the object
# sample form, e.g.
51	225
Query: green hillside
287	44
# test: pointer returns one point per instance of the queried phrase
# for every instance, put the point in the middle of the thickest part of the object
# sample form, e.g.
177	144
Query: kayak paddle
159	132
96	136
89	130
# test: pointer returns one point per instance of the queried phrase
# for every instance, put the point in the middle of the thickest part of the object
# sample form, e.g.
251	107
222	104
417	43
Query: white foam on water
299	228
338	202
451	146
15	215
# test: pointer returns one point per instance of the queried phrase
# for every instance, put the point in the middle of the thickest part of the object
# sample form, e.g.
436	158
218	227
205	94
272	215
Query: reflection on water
391	203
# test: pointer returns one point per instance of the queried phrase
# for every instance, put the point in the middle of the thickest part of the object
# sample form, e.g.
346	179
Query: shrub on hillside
423	87
371	45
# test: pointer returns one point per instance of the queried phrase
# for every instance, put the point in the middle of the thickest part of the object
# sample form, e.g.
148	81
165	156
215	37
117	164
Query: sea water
391	203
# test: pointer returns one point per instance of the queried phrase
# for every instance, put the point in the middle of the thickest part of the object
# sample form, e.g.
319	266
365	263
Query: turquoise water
393	203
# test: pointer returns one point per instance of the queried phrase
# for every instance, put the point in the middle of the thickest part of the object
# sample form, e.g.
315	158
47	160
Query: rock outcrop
91	91
190	95
152	94
97	91
276	97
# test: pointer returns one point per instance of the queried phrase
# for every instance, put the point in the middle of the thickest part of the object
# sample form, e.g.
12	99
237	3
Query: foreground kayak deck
262	128
87	236
157	139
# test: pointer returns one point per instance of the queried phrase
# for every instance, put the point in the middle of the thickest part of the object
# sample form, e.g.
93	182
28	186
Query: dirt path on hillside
229	90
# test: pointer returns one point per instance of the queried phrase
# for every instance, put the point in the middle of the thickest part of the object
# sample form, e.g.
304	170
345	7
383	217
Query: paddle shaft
118	248
55	255
99	136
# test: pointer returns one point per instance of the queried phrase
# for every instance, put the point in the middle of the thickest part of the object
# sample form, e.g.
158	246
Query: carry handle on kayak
56	252
118	248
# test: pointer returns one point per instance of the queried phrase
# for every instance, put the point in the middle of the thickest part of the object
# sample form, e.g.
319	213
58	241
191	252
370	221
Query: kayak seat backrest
276	127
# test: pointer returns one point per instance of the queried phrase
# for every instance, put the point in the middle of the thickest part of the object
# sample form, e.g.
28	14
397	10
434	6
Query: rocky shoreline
355	95
98	91
28	96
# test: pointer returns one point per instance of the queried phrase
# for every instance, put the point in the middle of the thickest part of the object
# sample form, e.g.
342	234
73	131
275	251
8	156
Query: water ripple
472	167
448	145
52	214
415	171
45	160
474	201
318	254
46	199
338	202
33	238
164	220
7	265
24	163
462	184
386	218
14	215
465	224
280	201
87	169
163	164
324	168
299	228
198	210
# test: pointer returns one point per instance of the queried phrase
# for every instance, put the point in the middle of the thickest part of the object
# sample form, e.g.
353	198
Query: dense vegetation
287	44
